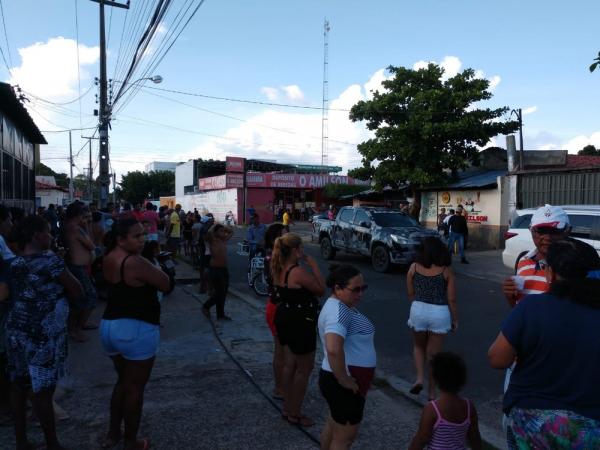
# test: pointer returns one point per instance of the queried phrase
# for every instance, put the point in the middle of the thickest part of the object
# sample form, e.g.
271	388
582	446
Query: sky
536	55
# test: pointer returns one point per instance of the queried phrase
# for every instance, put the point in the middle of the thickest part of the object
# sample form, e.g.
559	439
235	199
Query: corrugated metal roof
479	179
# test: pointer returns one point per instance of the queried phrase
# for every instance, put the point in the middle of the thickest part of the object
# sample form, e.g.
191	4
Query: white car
585	225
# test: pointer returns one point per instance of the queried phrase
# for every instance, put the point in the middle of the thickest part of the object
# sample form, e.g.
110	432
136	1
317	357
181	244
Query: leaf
593	67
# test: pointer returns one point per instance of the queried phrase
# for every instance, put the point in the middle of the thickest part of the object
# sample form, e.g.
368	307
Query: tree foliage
589	150
427	128
138	186
62	179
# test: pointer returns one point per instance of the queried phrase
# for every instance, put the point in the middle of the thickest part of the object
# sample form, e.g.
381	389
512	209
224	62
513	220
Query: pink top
449	435
152	218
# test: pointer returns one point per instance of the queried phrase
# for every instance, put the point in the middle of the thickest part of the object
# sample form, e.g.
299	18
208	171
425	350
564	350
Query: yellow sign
446	197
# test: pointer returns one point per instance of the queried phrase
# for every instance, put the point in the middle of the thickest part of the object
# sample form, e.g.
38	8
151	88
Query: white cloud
452	65
530	110
49	69
270	92
494	82
293	92
575	144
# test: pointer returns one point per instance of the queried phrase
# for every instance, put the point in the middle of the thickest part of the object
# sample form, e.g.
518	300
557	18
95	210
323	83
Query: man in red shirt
548	224
151	216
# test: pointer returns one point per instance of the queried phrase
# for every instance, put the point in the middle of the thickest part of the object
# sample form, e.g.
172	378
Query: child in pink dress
449	421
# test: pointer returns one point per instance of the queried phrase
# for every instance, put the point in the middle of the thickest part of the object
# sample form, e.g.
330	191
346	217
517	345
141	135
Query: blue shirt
558	355
256	234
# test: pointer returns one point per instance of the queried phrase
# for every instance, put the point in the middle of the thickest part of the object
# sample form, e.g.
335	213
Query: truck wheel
327	250
380	259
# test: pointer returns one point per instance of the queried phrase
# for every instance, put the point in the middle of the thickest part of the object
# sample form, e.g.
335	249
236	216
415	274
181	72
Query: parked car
585	225
387	236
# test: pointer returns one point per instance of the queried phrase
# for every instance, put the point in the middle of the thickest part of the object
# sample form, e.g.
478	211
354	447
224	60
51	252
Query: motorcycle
168	266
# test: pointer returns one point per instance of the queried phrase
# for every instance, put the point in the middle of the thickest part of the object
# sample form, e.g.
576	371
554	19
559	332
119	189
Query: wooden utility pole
104	156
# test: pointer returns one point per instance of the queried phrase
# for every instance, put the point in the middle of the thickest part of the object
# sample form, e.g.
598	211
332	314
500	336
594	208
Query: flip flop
89	326
111	442
301	421
277	396
416	389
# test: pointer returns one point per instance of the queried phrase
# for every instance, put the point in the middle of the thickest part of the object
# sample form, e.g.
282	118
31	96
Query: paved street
481	305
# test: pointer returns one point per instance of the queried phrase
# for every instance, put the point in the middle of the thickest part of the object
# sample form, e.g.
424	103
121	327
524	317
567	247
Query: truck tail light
509	234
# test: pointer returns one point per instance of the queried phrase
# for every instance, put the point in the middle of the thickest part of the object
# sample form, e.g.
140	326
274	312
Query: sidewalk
202	395
484	265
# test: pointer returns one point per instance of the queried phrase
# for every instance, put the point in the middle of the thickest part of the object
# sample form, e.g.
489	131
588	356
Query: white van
585	225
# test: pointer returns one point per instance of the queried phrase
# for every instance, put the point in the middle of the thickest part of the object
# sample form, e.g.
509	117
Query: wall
484	209
216	202
564	188
262	200
184	176
47	196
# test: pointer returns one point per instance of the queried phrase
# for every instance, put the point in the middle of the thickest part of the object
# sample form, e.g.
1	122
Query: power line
61	103
6	36
246	121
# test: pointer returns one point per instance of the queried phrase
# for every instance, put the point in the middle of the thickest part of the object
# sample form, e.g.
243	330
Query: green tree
334	191
426	128
138	186
589	150
62	179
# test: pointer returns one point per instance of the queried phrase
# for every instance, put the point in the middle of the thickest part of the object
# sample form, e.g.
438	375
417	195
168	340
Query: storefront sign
212	183
235	180
234	164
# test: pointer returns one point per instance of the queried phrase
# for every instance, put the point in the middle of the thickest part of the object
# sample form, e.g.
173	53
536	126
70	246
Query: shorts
270	311
133	339
297	327
428	317
89	298
346	407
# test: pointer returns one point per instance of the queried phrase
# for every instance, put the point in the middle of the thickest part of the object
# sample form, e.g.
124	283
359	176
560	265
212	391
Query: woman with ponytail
296	291
553	399
129	330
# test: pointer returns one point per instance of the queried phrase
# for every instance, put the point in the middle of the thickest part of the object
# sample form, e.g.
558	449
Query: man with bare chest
218	274
79	257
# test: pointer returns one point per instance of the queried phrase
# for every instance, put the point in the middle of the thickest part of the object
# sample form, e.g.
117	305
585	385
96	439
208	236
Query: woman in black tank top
296	292
129	328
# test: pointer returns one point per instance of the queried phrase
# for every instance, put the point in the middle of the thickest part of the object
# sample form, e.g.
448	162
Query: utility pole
104	122
70	168
521	155
90	175
114	177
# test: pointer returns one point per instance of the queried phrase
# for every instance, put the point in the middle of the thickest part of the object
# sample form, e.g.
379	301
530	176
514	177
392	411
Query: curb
491	438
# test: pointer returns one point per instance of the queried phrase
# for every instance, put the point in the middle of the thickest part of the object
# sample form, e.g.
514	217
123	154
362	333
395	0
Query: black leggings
218	279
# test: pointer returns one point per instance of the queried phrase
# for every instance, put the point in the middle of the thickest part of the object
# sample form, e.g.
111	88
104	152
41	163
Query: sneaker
464	261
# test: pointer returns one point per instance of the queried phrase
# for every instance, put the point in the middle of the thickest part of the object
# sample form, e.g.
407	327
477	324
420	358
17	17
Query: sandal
110	442
301	421
277	396
416	389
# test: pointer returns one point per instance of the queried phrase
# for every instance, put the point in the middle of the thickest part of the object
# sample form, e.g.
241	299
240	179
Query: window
581	226
8	175
361	216
18	182
522	222
346	215
394	219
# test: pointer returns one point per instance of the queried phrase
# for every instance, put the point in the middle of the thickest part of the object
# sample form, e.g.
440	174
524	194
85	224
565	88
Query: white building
157	166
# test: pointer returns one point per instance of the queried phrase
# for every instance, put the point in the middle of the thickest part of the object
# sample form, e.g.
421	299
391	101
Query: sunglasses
358	289
548	231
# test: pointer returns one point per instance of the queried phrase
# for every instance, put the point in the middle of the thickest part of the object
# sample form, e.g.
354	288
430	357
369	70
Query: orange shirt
534	275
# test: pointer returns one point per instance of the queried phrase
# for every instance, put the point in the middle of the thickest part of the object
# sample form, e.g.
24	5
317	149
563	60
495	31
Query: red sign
211	183
235	180
233	164
275	180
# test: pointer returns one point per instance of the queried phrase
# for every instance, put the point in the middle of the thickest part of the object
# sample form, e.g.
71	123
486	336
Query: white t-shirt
358	333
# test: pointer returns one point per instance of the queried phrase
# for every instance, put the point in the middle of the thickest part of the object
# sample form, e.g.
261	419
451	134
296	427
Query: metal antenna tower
325	117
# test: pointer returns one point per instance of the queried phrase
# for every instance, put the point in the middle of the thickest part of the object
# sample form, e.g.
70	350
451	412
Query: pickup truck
387	236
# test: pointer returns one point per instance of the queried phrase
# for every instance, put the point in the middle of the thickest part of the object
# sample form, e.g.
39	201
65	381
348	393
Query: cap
204	219
550	216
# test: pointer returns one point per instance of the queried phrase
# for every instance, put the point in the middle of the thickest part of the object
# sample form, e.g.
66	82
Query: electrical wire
237	100
283	130
120	43
6	38
60	103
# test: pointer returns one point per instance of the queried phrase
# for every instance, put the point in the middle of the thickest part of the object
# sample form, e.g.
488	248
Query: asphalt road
481	306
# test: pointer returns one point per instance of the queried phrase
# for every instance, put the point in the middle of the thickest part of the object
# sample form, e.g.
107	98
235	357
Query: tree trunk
415	206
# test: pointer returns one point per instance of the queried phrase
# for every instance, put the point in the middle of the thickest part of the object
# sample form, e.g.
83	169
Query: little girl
448	421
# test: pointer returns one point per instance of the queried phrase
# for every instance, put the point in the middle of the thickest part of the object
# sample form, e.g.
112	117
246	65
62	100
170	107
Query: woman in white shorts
433	313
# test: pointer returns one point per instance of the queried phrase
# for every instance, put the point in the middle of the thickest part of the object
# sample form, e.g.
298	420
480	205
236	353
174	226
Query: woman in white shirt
349	360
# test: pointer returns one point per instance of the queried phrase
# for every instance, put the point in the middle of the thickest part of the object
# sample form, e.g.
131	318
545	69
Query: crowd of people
58	263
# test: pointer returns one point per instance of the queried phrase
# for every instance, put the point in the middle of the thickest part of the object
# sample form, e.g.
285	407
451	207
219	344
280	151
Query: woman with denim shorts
433	312
130	326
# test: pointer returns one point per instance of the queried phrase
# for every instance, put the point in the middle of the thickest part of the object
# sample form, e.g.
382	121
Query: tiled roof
582	161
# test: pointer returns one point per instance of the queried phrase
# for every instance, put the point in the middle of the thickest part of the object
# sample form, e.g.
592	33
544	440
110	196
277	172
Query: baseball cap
204	219
551	217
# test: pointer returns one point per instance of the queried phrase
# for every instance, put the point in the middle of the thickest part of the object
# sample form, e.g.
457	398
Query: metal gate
581	188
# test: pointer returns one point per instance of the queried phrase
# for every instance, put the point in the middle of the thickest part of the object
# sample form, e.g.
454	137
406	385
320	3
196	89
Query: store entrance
300	203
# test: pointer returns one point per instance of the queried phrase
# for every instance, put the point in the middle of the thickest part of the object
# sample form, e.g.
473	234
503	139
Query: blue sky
536	54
